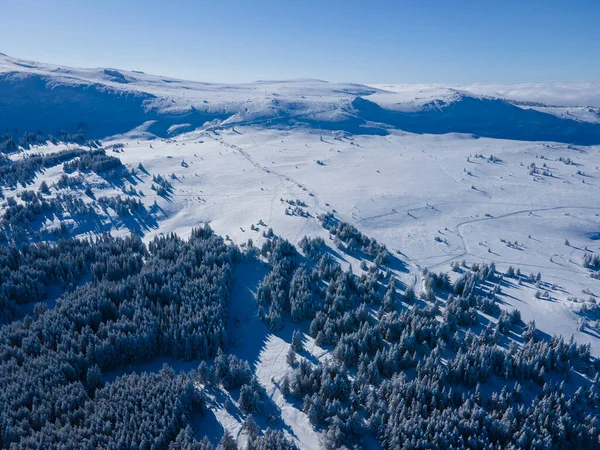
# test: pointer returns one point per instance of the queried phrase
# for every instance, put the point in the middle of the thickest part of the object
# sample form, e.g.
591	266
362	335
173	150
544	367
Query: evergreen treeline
95	160
20	222
441	375
312	247
168	298
162	187
24	170
8	144
287	288
591	261
26	274
8	141
135	412
354	239
416	373
124	206
23	221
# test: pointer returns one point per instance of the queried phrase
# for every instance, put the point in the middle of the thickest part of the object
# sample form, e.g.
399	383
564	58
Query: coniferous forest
390	262
446	369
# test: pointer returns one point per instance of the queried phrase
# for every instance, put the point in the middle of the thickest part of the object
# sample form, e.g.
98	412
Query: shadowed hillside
483	117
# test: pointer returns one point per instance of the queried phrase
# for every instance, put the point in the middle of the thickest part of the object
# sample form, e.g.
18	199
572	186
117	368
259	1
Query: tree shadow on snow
247	333
205	423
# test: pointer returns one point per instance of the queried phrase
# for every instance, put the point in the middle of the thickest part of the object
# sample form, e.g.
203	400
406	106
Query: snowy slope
69	96
402	188
104	102
401	163
573	101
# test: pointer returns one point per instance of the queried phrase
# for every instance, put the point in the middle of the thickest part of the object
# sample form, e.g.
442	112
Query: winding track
415	269
282	177
503	216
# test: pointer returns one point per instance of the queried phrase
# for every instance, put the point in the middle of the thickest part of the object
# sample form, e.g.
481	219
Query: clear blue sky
376	41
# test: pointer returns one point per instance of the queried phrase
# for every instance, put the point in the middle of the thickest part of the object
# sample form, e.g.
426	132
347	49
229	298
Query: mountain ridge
36	96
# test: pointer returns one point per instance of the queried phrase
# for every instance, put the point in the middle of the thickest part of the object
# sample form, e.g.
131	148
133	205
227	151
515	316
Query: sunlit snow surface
343	148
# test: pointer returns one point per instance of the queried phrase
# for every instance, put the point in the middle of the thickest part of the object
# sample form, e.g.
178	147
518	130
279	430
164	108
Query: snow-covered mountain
477	200
108	101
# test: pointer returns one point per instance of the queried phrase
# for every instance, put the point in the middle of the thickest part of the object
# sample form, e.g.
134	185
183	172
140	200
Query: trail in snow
282	178
503	216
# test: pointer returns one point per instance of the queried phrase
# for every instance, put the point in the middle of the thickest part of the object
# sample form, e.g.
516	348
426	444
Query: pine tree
409	295
93	378
291	357
297	341
227	442
285	386
389	300
251	428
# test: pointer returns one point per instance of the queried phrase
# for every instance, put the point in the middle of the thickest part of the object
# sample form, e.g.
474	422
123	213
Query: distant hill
105	102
